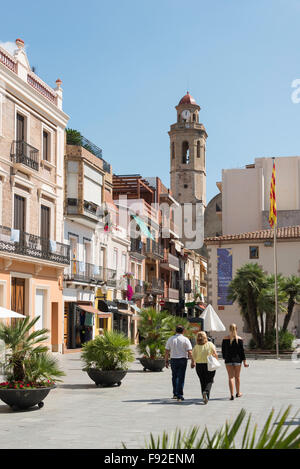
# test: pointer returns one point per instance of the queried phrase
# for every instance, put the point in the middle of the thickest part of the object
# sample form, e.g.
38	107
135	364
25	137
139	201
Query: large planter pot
19	399
106	378
156	364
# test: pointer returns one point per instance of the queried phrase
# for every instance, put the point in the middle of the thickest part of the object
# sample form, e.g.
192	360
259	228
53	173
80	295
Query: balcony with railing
75	138
24	154
7	60
137	248
19	242
153	249
89	273
171	294
170	262
157	286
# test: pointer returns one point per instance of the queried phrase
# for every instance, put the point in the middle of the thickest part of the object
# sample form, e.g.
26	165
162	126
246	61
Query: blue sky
125	64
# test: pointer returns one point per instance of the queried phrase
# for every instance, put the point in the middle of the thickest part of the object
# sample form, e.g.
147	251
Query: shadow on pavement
76	386
5	409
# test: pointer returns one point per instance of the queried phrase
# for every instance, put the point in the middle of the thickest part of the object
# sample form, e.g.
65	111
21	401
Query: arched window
198	149
173	150
194	117
185	153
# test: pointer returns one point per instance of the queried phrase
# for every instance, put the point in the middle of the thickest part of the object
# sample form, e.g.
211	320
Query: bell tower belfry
188	154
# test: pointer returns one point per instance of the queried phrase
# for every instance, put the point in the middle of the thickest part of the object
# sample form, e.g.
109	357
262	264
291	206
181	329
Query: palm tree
291	286
27	357
245	289
155	329
266	303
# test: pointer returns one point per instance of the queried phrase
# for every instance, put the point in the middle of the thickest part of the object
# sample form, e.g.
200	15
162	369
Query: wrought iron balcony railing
89	273
154	248
137	246
157	285
18	242
22	152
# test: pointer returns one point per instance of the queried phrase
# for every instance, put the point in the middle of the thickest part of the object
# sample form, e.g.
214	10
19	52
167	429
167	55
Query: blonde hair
233	333
201	338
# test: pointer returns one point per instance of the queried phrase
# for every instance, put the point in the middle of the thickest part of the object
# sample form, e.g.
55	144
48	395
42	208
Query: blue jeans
178	367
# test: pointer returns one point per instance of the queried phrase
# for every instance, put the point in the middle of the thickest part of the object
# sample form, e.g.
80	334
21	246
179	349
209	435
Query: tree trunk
252	312
291	304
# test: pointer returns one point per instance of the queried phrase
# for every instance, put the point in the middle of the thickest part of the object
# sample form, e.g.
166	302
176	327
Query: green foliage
110	351
254	291
275	434
73	137
27	358
156	327
285	340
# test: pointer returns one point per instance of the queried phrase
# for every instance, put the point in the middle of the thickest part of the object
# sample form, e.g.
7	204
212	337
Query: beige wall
246	193
288	263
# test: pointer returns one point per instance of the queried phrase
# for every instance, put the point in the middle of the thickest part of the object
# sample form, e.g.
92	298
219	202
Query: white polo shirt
178	345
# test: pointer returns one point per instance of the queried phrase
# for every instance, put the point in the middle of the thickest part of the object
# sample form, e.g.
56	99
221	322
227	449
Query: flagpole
276	292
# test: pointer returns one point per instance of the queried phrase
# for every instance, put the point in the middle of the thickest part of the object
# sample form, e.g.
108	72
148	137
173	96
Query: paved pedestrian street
77	414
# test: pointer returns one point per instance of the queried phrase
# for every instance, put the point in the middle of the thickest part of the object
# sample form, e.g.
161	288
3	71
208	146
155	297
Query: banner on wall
224	275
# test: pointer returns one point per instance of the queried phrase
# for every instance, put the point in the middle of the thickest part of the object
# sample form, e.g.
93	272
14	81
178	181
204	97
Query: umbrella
212	322
7	313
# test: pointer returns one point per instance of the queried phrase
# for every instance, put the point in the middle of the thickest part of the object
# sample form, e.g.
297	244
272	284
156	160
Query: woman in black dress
233	354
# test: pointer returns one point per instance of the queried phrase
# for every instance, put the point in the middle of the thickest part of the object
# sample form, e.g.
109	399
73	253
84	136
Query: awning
124	312
136	308
107	306
91	309
200	307
145	230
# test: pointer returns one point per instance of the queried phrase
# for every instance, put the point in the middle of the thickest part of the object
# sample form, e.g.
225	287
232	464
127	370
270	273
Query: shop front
81	322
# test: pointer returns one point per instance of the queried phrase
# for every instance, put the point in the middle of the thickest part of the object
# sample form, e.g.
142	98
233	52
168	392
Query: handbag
212	363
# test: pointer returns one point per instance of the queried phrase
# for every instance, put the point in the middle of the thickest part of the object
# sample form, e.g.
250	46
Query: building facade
33	255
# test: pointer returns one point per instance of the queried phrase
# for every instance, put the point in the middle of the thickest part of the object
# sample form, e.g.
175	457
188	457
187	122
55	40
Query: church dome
187	99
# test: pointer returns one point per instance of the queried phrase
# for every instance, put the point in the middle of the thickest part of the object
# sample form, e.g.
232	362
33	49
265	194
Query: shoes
180	399
174	397
232	398
238	395
205	397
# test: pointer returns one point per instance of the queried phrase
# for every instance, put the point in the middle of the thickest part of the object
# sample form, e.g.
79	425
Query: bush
285	340
110	351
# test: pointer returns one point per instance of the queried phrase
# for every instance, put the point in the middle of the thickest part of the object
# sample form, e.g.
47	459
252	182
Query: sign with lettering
224	274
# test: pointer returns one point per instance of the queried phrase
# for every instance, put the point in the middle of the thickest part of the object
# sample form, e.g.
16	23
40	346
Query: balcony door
18	295
45	228
20	128
20	220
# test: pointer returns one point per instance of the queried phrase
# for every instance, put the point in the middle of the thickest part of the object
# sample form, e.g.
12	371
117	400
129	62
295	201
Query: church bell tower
188	155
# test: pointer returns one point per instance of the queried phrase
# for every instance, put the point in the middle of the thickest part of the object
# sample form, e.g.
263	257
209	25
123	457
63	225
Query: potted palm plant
156	327
30	370
107	358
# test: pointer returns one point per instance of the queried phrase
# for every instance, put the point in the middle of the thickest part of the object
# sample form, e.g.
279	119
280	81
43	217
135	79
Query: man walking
179	348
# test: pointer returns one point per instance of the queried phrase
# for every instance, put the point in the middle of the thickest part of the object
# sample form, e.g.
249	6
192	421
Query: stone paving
77	414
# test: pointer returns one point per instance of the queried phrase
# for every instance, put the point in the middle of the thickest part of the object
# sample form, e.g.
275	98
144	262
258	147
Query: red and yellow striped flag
273	211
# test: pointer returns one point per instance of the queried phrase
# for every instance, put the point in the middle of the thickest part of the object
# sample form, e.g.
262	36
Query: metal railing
20	242
22	152
152	247
137	246
157	285
172	293
91	147
89	273
171	260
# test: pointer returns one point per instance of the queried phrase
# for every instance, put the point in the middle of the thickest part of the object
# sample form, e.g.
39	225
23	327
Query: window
198	149
173	150
185	186
124	262
115	259
185	153
46	144
253	252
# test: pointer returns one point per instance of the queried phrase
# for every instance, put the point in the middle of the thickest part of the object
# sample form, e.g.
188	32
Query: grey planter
20	399
106	378
152	364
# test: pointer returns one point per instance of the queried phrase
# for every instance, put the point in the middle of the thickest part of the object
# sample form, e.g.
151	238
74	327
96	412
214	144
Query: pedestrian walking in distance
179	350
233	354
201	351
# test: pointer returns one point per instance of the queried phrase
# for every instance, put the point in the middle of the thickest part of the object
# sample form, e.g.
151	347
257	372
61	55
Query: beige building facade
228	253
32	252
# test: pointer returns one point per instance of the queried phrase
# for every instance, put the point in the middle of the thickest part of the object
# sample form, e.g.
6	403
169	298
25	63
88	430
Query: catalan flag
273	211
